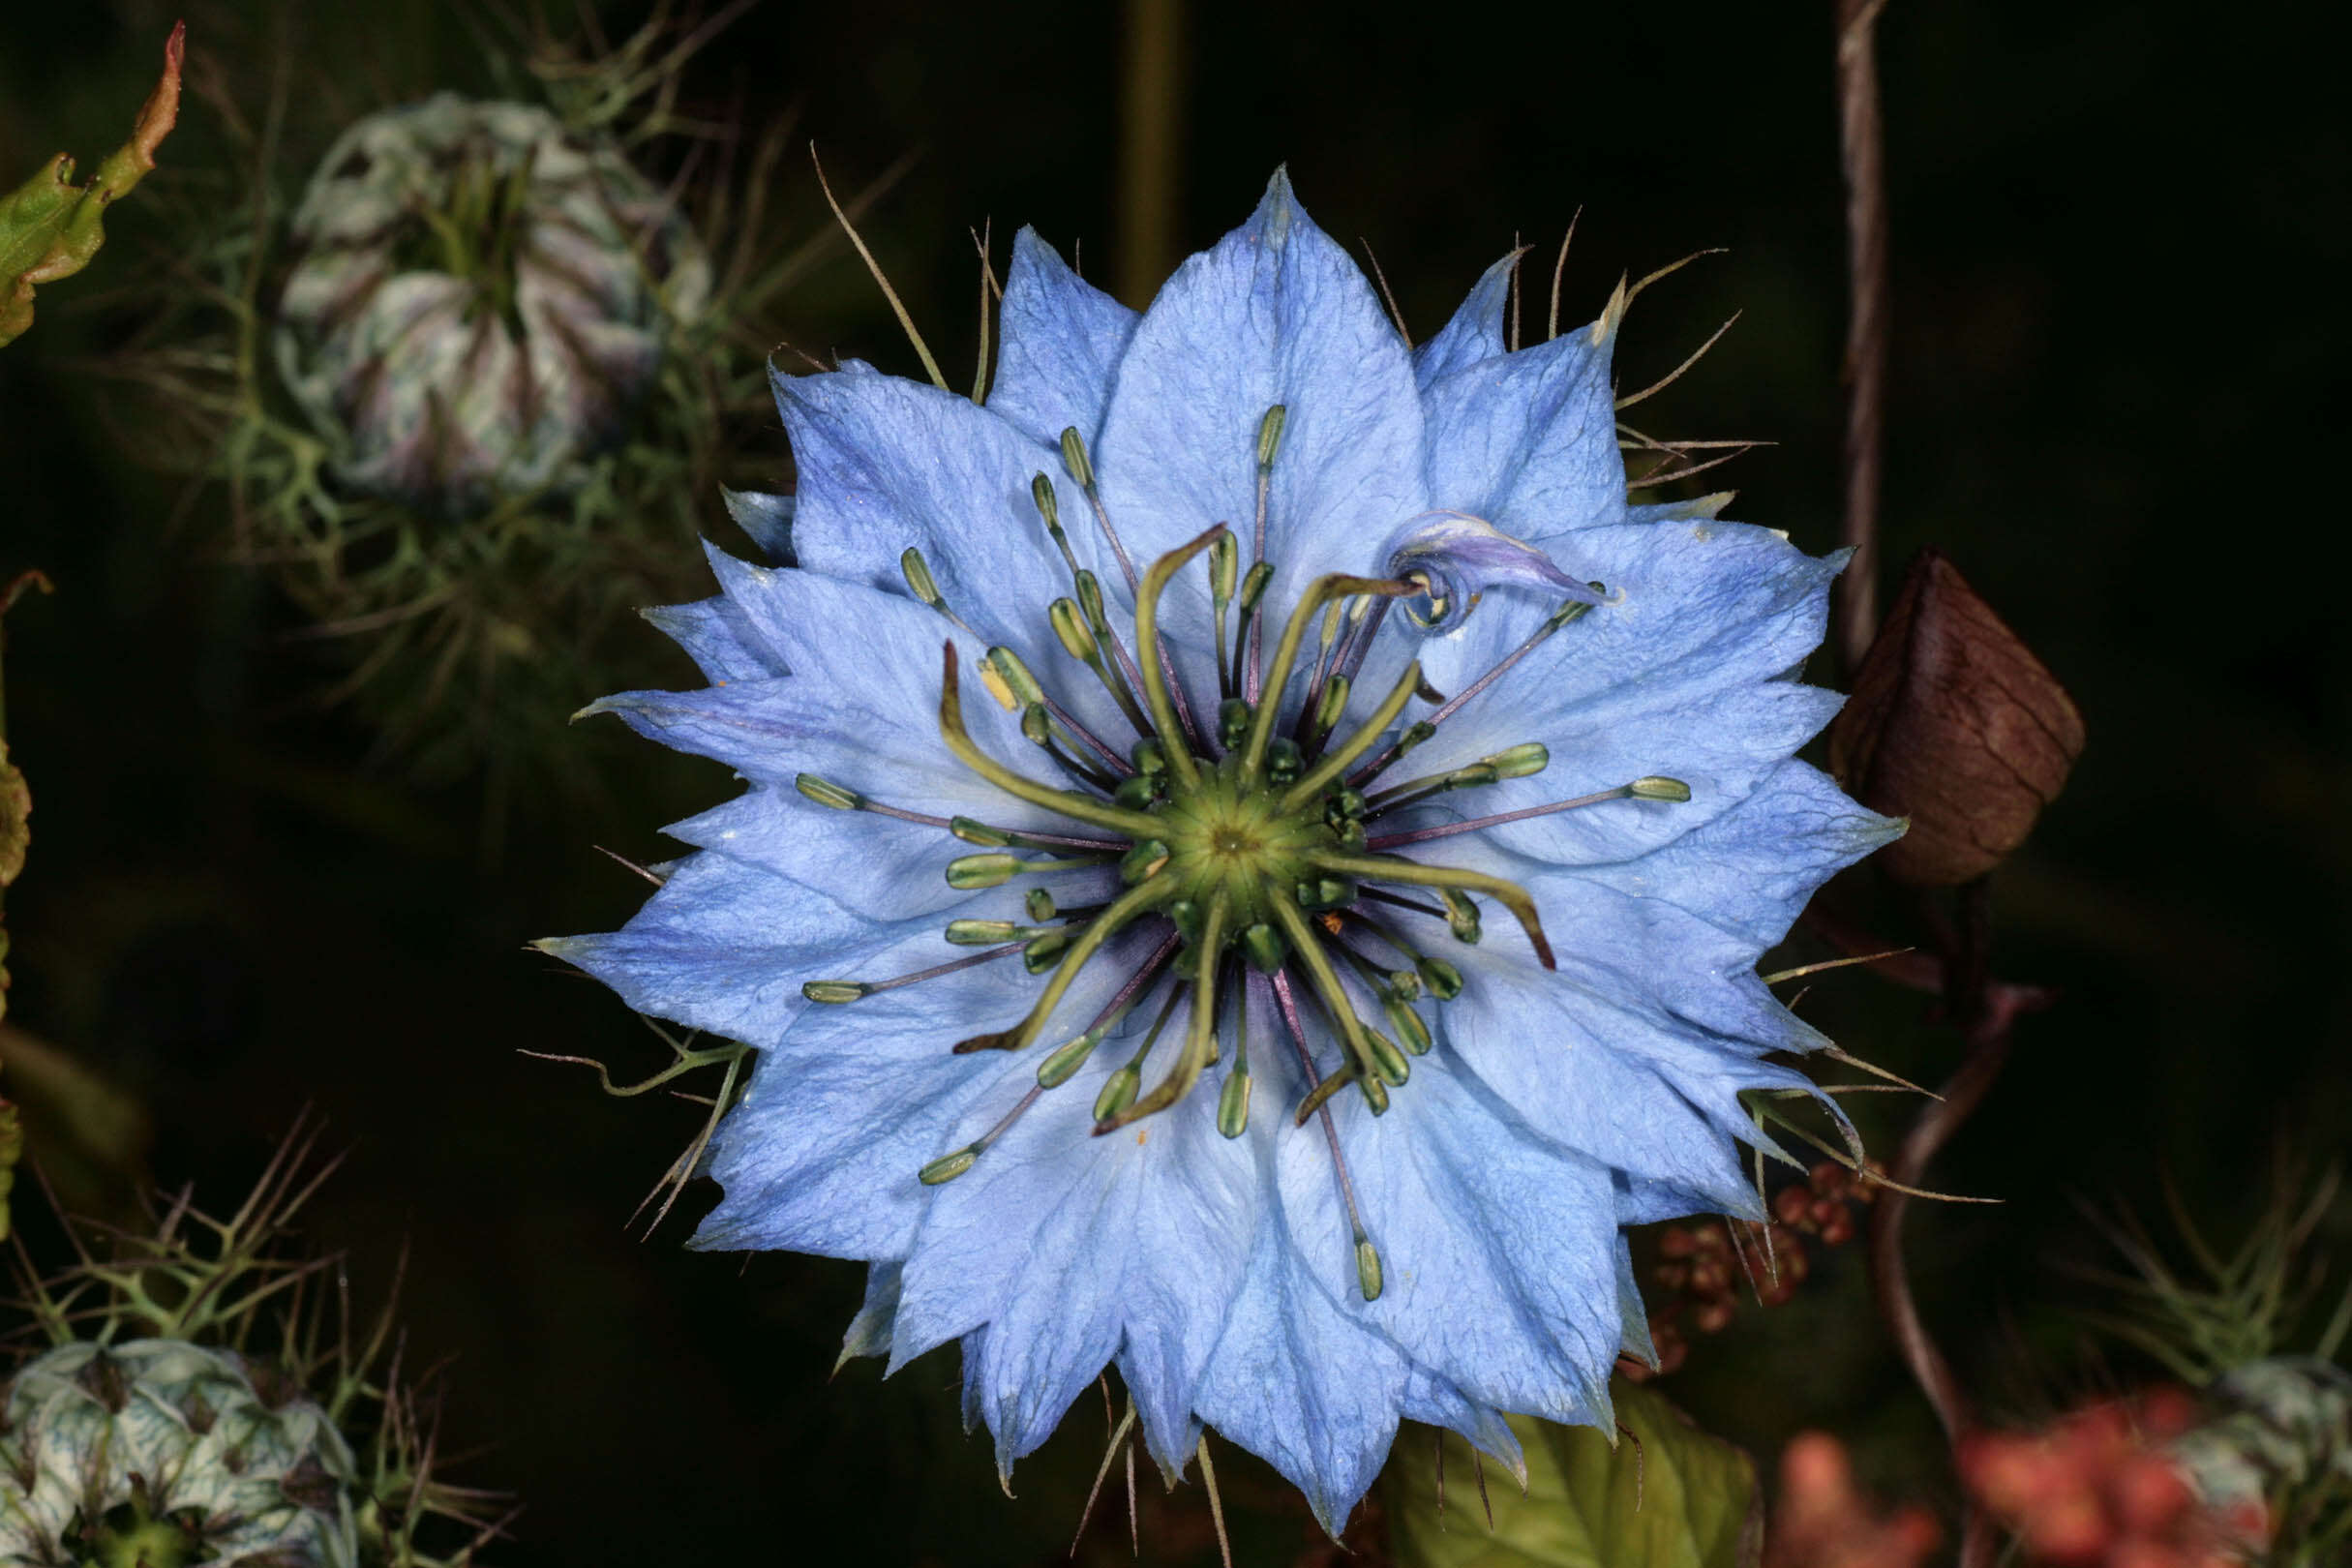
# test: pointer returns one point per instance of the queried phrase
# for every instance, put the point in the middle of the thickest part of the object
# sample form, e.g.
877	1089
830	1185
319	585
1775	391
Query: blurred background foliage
2120	232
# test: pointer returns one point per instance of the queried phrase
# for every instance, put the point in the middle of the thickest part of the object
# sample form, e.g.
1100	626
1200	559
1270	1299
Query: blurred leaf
50	227
1955	724
1697	1503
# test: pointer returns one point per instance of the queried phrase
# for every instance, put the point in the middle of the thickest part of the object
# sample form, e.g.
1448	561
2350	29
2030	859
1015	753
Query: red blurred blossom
1824	1520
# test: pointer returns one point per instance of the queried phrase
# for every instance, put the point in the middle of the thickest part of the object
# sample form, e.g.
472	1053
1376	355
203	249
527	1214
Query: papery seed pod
1955	724
163	1452
481	295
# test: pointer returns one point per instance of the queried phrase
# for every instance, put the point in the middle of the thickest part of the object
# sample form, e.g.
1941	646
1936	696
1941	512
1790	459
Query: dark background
2120	239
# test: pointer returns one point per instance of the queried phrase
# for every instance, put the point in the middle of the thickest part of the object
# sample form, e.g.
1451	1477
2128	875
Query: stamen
1078	641
1118	1089
1286	655
1367	1256
1510	895
1080	807
1134	901
980	833
1233	1099
1516	761
1200	1040
1356	745
1225	564
838	992
1652	788
947	1167
1317	964
1269	443
1559	618
1147	635
1074	459
1028	690
1067	1058
918	573
1037	728
1049	508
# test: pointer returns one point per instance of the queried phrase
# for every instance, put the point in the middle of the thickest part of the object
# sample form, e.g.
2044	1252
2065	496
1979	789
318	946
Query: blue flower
1368	825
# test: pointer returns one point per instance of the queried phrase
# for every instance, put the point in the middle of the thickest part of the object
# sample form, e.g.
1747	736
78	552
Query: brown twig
1863	149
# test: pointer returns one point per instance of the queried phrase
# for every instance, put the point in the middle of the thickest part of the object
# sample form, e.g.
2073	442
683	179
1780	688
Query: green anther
1264	948
1233	1103
1376	1094
1224	569
1654	788
1036	725
1333	704
1017	675
1411	1033
1071	627
825	793
1149	756
1185	915
1090	599
1254	587
979	833
1118	1093
1232	722
1039	904
981	933
1142	861
1284	762
1073	458
959	740
1043	952
947	1167
1472	775
833	991
1049	505
1415	733
1351	834
969	871
1270	435
1521	761
918	578
1569	611
1325	893
1056	1070
1137	792
1367	1268
1405	984
1387	1061
1443	980
1344	803
1460	915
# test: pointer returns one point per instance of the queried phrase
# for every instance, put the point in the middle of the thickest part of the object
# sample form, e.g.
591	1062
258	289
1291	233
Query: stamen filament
1118	1089
1082	470
1269	442
1401	902
1070	1056
1383	868
980	833
841	991
947	1167
1623	792
1200	1040
1286	652
1317	964
1355	745
1082	634
1566	613
1367	1279
1147	635
1233	1099
1134	901
1081	808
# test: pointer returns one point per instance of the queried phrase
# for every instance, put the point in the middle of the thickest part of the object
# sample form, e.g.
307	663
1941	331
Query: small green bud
1368	1270
1039	904
1118	1093
918	578
1284	762
1326	892
1138	791
833	991
1344	802
947	1167
1521	760
1270	435
979	833
1351	834
827	792
1442	978
1148	755
1071	627
1264	948
1654	788
1142	861
1232	723
1073	458
1233	1104
970	871
980	933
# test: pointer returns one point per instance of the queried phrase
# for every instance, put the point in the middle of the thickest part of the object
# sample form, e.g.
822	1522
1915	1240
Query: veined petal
1475	332
1062	340
1529	441
718	638
1275	314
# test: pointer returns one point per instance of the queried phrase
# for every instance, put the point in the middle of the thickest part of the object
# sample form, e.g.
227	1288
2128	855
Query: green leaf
1698	1505
50	227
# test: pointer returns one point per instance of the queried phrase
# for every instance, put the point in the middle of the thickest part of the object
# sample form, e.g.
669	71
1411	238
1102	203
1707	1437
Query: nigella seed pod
481	296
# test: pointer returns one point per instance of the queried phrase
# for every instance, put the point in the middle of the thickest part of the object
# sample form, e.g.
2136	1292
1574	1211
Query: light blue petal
765	519
1529	441
1637	1342
1498	1247
718	638
869	1331
1275	314
1474	334
1062	340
